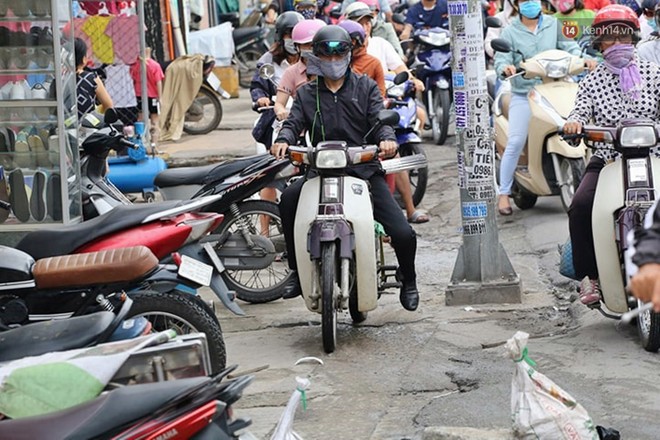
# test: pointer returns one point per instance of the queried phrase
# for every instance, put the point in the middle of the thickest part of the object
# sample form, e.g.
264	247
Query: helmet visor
329	48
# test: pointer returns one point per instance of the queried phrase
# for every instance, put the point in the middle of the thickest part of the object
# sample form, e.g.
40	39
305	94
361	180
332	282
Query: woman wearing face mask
573	11
296	75
649	49
623	86
529	34
282	54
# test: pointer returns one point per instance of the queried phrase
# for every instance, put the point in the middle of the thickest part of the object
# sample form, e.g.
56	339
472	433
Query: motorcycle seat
65	240
204	174
54	335
93	268
102	417
243	34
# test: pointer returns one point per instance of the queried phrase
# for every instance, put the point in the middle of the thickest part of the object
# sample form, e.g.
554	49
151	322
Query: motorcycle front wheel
648	327
185	314
256	286
204	114
328	271
571	171
440	122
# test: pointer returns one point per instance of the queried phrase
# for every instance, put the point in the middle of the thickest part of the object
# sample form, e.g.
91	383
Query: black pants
386	211
579	221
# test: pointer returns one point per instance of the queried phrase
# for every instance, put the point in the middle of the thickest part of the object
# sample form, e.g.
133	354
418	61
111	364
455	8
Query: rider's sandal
418	217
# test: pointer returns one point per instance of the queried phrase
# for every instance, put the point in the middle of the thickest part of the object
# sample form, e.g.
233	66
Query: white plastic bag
539	408
284	429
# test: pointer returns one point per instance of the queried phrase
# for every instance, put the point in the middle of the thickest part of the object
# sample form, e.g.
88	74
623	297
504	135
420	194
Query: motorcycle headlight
436	39
638	137
556	68
396	91
330	159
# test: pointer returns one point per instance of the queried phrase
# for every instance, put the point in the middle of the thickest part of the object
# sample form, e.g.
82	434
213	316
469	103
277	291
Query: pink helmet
305	30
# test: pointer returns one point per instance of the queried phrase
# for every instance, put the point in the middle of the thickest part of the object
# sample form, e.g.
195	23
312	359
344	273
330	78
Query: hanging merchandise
102	46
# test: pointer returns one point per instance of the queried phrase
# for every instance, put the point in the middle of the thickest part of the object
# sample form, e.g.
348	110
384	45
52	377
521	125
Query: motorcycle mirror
266	71
401	77
111	116
493	22
384	117
501	45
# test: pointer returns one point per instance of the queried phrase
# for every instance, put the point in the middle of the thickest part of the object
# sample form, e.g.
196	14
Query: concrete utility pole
482	272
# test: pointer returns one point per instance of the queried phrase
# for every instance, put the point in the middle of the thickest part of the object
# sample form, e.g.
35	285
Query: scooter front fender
408	138
557	145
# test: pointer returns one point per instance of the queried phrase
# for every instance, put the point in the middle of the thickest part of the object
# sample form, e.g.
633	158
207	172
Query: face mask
308	14
289	46
619	55
332	70
653	24
530	9
305	53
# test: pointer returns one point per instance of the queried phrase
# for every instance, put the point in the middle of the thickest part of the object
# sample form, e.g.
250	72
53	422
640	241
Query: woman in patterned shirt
623	86
89	87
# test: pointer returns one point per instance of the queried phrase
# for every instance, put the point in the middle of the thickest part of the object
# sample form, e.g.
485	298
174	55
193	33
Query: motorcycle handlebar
264	108
127	143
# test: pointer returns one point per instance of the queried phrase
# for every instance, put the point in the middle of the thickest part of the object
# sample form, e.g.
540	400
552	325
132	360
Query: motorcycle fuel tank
15	266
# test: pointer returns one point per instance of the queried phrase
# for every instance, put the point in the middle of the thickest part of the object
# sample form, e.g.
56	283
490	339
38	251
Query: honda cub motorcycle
548	165
626	190
335	226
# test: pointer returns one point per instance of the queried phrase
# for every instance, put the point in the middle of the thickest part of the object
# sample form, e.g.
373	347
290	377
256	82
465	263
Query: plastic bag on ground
539	408
284	429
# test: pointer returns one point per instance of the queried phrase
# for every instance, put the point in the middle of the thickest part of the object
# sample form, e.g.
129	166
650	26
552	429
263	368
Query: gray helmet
331	40
285	23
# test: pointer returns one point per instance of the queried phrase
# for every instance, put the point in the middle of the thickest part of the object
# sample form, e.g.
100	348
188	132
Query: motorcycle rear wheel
328	271
204	114
648	327
185	314
258	285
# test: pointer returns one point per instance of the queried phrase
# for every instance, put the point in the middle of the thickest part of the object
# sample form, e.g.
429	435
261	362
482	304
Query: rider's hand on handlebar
508	71
279	150
387	149
645	285
591	64
572	127
282	114
263	101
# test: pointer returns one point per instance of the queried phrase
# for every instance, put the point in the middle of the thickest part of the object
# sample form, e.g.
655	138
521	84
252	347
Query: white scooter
548	165
625	192
335	226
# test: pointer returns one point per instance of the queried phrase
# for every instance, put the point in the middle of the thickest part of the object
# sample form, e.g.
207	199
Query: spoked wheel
204	114
523	198
571	171
648	326
328	271
247	66
259	217
185	314
418	177
440	123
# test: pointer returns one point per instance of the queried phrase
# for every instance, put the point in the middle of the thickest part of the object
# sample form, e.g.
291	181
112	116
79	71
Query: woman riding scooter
623	86
528	34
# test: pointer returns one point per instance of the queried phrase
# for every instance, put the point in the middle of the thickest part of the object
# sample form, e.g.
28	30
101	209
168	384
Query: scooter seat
102	417
243	34
94	268
205	174
65	240
55	335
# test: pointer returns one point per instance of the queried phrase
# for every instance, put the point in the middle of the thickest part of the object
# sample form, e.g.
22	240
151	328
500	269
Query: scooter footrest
385	286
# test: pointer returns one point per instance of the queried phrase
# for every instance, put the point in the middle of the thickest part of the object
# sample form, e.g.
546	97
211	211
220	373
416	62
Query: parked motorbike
250	43
548	165
205	113
401	99
433	55
334	225
625	192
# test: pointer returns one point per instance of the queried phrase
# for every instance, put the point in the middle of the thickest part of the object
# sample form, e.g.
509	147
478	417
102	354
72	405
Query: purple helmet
355	30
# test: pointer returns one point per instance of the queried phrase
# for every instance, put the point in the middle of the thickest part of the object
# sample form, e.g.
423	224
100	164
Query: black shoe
409	295
292	289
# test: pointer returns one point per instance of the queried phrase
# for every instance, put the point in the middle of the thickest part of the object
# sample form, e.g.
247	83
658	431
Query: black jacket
647	247
344	116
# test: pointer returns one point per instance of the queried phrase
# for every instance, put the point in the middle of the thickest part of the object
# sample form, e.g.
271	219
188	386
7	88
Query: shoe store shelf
39	157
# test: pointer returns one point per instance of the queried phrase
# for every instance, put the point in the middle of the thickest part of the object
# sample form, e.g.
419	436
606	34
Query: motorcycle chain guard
235	253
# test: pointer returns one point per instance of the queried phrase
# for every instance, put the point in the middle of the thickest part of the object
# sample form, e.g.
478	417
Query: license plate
213	81
637	170
195	271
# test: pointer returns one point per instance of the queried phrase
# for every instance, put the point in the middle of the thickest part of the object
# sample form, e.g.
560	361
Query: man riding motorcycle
341	104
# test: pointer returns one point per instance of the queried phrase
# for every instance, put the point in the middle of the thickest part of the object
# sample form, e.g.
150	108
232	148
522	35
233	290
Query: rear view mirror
401	77
501	45
388	117
493	22
111	116
266	71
